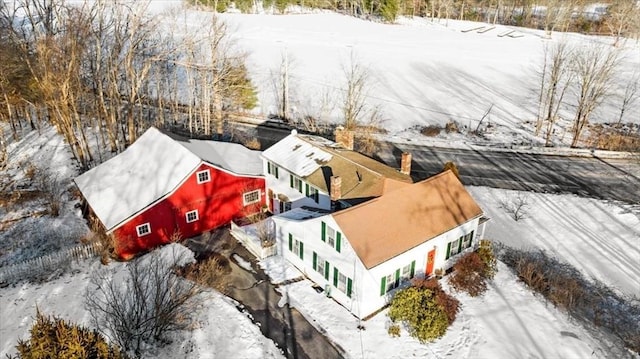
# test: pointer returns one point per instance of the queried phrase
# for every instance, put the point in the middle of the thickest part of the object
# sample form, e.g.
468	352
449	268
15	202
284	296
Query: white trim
150	205
208	179
245	194
186	216
141	227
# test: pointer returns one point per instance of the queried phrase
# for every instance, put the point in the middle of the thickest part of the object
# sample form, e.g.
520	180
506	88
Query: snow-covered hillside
421	72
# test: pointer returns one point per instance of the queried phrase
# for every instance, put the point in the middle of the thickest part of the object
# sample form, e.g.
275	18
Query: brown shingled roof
399	220
362	177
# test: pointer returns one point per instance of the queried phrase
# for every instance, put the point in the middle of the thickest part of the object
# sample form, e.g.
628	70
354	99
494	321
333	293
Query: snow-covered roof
301	213
230	156
296	155
146	171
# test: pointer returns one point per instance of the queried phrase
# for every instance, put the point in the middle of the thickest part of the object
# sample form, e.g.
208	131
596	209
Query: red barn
159	187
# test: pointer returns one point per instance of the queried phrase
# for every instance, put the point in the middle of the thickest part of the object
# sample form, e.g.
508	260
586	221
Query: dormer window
203	176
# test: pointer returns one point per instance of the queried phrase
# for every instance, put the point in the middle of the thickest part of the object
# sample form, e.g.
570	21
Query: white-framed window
312	193
296	246
143	229
251	197
391	282
453	248
203	176
321	265
342	282
406	272
331	236
296	183
467	240
192	216
285	206
272	169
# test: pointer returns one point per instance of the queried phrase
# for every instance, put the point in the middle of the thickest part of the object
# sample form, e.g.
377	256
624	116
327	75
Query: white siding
282	185
366	298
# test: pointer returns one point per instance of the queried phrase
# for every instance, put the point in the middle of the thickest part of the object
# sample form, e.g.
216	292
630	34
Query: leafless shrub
452	127
143	304
211	272
588	301
253	144
516	207
50	186
431	130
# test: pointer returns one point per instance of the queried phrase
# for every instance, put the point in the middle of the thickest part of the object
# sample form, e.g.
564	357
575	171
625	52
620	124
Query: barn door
431	258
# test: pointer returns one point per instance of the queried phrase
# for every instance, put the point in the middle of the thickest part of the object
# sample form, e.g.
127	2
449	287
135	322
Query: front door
431	258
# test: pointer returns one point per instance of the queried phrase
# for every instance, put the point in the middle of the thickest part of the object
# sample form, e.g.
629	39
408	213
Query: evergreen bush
425	309
53	337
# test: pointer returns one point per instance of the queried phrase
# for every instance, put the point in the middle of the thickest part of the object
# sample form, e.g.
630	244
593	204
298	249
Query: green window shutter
397	283
269	167
471	239
324	232
383	286
290	242
413	269
291	180
448	250
306	189
301	254
276	170
460	244
349	285
338	237
315	260
326	270
335	277
300	186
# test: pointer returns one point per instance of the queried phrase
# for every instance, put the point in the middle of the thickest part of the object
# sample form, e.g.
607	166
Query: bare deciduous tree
357	88
593	68
144	304
516	207
554	82
630	95
622	19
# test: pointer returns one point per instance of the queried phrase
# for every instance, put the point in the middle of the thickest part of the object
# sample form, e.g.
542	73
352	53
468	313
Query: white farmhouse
359	228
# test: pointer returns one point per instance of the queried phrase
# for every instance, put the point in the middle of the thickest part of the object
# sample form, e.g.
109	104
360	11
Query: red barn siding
218	201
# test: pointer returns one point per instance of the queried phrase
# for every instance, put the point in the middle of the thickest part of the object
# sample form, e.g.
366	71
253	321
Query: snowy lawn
509	321
600	239
220	330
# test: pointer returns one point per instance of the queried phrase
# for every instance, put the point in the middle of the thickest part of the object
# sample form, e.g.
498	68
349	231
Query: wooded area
116	68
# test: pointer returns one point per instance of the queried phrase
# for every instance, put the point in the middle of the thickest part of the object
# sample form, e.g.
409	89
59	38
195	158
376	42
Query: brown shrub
468	275
431	130
449	304
451	126
211	272
253	144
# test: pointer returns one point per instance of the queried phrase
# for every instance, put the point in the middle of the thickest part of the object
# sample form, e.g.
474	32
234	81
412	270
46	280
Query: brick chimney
405	163
344	137
336	188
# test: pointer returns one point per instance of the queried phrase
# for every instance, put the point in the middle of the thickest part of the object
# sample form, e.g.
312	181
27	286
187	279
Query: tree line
618	18
110	69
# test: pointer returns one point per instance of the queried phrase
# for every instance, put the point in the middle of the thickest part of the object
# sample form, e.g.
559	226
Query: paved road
613	179
609	179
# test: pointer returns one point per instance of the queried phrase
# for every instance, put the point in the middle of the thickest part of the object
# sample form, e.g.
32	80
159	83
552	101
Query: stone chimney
344	137
336	188
405	163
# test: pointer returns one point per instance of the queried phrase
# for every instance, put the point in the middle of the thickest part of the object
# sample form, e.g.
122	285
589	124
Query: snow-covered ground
221	331
421	73
600	239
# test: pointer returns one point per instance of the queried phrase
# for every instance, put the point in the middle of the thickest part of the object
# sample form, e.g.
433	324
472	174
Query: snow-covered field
421	73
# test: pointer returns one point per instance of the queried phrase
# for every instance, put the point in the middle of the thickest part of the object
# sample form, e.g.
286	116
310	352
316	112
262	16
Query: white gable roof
230	156
296	155
146	171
